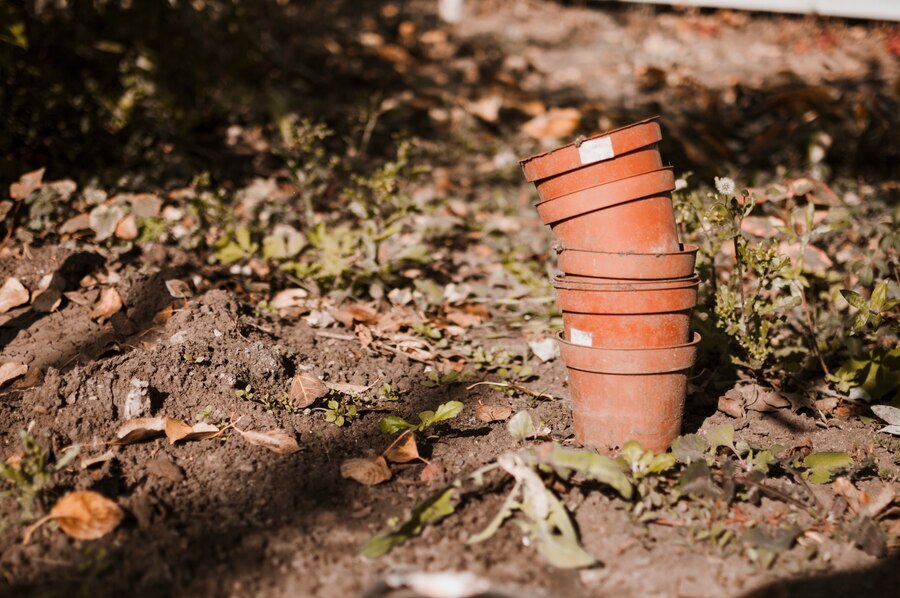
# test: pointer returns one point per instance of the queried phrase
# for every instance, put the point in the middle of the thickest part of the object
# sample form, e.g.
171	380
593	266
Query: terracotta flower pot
600	173
627	314
620	395
594	149
623	265
631	215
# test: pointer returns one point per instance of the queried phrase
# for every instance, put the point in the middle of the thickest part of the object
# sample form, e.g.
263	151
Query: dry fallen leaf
731	406
127	228
278	441
12	294
403	449
556	123
366	471
179	289
11	370
546	349
306	389
493	413
75	224
109	303
176	429
28	182
289	298
83	514
462	318
487	108
140	429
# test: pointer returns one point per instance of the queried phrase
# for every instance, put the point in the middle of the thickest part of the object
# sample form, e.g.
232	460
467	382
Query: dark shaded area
152	88
73	269
874	580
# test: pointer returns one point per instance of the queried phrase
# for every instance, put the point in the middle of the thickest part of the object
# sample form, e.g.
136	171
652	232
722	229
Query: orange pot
620	395
626	314
637	266
599	148
629	215
600	173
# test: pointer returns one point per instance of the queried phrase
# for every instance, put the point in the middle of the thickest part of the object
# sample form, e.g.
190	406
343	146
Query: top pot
594	149
600	173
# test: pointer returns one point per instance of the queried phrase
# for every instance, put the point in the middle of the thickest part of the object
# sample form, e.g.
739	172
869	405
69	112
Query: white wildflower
725	185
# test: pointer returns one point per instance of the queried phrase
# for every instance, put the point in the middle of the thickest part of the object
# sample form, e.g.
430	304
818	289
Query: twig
514	386
382	346
807	487
336	335
778	494
812	331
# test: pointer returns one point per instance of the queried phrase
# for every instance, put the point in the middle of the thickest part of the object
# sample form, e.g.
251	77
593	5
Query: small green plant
237	245
445	411
434	378
281	402
506	365
872	312
339	413
245	393
386	393
264	309
29	473
752	303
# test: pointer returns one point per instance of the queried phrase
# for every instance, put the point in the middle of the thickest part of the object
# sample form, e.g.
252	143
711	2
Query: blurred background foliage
95	88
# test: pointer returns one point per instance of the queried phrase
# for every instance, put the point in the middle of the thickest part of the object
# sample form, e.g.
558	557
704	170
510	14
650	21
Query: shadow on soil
874	580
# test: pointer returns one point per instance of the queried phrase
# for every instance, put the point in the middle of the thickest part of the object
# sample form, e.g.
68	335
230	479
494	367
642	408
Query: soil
222	517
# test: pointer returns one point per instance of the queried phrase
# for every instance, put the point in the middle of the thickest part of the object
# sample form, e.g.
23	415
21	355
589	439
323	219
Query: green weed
28	474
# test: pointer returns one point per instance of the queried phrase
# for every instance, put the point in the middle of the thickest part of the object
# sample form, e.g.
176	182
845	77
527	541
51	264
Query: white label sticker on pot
580	337
594	150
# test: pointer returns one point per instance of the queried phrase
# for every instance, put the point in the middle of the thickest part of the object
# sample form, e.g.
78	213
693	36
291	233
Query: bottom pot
619	395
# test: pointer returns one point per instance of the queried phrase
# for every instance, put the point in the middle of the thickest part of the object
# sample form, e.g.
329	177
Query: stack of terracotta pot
628	287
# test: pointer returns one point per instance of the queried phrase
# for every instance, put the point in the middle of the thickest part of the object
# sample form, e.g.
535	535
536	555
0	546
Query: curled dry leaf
140	429
83	514
289	298
12	294
109	303
97	459
278	441
178	430
366	471
179	289
493	413
306	389
11	370
403	449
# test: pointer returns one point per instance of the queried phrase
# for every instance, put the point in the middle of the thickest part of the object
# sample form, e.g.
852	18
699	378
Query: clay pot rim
686	249
626	285
685	352
577	144
621	181
590	171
